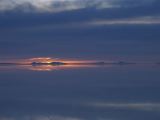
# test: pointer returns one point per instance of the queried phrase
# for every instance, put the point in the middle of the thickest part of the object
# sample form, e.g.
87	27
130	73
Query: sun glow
51	64
49	60
42	60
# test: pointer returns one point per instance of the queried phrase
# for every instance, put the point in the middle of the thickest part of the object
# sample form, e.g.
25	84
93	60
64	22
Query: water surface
126	92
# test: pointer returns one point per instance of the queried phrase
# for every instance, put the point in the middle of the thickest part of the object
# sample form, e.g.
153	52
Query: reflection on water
47	67
52	67
76	92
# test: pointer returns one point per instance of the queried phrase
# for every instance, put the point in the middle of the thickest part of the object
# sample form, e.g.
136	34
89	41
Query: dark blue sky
100	29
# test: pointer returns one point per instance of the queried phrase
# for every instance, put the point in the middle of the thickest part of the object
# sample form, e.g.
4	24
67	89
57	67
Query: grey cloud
50	5
134	106
133	21
147	14
63	5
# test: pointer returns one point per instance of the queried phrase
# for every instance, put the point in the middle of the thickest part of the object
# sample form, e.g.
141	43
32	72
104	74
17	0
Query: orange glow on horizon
69	64
50	60
42	60
27	61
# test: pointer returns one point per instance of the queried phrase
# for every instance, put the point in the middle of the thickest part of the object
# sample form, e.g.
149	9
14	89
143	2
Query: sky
84	29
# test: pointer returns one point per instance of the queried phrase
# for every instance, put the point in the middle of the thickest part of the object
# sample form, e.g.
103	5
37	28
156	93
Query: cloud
147	20
50	5
134	106
65	5
147	14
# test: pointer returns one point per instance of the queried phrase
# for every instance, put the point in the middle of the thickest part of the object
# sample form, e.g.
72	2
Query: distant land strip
65	63
77	63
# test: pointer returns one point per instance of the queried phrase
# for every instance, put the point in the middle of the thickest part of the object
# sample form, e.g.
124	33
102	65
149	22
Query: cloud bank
50	5
64	5
135	106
